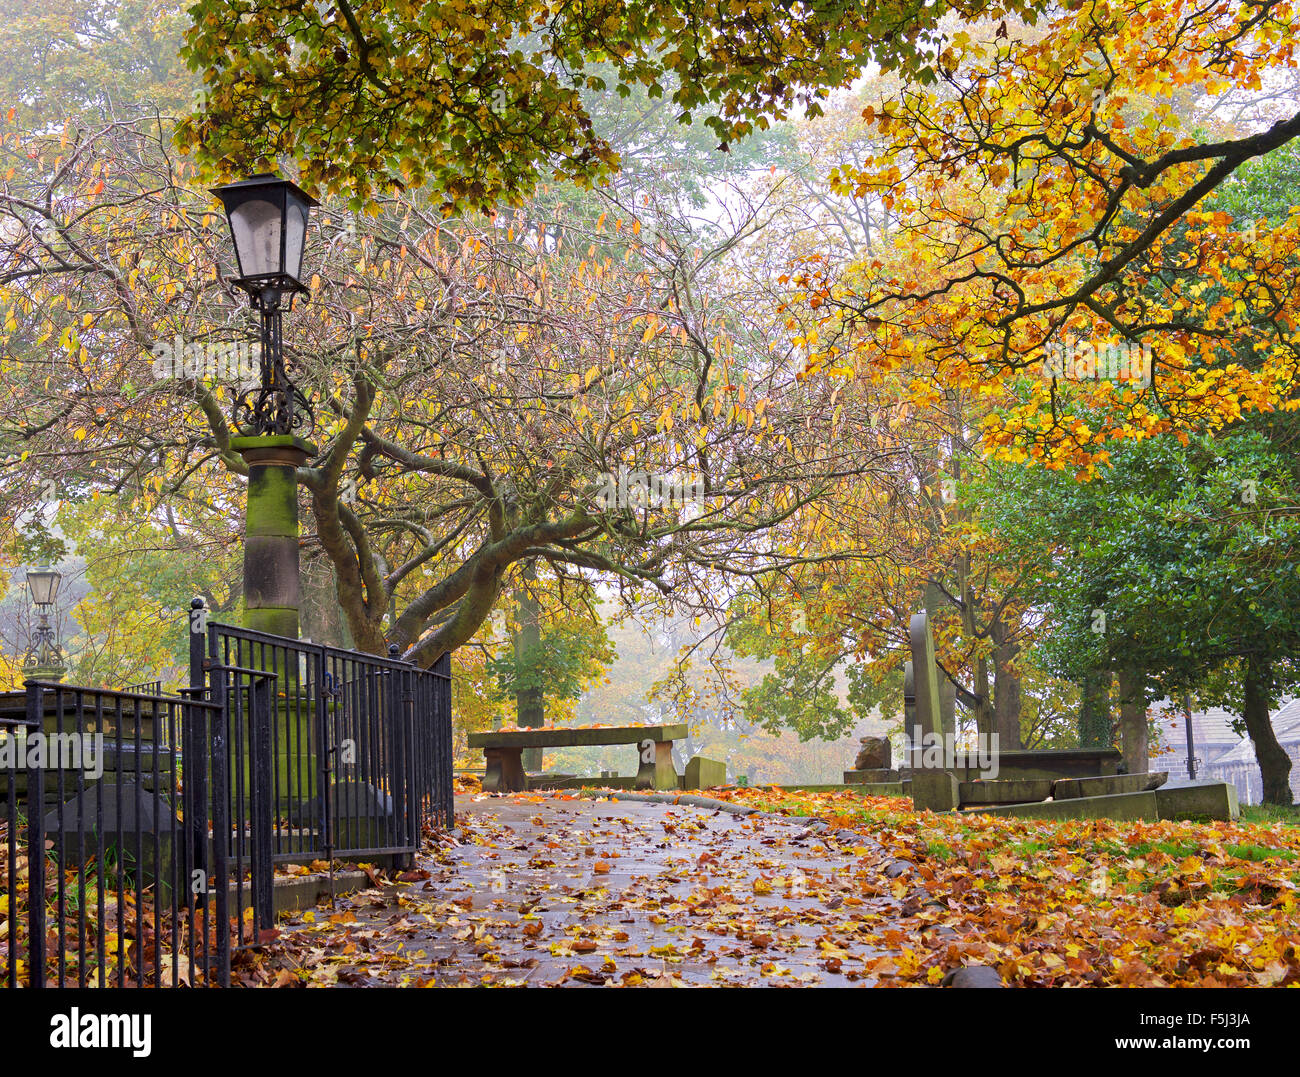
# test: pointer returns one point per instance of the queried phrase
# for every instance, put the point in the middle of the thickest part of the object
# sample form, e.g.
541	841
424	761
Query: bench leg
505	771
657	770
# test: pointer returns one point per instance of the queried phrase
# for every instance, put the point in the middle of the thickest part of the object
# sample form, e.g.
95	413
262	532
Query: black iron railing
129	856
101	887
357	747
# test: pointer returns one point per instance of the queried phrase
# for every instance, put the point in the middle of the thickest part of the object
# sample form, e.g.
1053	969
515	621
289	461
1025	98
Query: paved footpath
534	891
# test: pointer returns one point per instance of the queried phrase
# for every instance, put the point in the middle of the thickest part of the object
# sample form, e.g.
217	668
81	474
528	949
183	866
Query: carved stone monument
933	788
875	754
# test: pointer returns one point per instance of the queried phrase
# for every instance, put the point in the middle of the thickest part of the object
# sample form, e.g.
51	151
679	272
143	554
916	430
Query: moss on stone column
272	591
272	594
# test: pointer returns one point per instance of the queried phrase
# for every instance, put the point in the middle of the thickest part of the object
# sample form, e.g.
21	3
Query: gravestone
137	833
934	789
363	816
925	679
909	710
875	754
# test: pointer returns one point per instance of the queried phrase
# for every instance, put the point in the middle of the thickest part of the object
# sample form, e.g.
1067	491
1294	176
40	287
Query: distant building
1222	752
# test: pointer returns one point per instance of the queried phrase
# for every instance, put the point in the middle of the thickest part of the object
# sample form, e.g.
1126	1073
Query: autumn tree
361	97
130	73
551	646
141	571
478	388
1174	566
1172	569
1050	187
97	60
895	536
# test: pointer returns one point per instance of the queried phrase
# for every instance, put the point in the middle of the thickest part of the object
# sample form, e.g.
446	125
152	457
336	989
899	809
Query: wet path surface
542	891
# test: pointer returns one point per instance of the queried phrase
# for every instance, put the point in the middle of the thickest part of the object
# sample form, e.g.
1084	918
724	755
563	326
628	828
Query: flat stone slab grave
1184	800
503	752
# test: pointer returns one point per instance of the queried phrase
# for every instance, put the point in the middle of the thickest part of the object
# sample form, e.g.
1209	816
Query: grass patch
1260	853
939	850
1271	813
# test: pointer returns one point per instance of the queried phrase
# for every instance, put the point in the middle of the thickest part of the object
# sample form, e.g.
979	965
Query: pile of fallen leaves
840	806
121	937
1079	902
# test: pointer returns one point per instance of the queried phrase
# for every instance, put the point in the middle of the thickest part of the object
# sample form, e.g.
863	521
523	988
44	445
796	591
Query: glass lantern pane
44	585
256	226
295	218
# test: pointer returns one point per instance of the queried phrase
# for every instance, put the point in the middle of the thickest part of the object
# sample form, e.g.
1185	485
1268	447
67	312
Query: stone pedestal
296	770
272	592
503	770
704	773
876	774
271	589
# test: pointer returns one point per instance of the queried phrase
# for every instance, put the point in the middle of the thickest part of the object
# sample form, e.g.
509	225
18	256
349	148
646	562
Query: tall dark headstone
933	789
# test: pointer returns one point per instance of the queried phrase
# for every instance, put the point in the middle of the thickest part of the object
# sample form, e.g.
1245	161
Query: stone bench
503	751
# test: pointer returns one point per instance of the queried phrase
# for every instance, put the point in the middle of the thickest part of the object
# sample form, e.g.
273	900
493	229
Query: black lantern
268	222
44	652
43	583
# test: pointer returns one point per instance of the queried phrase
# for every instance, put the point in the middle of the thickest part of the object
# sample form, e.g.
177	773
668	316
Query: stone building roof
1209	727
1214	736
1286	724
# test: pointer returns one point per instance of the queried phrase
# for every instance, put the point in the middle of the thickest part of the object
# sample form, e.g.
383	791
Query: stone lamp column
272	593
272	598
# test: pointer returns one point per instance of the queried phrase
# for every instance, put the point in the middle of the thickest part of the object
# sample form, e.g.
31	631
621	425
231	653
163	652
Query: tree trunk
1006	688
530	702
1274	764
981	711
932	597
322	617
1133	722
1094	711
